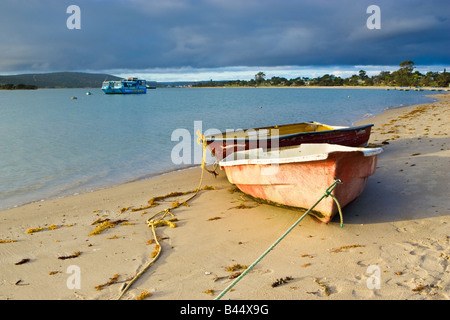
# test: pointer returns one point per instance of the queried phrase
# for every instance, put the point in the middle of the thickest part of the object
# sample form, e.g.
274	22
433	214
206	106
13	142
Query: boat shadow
411	182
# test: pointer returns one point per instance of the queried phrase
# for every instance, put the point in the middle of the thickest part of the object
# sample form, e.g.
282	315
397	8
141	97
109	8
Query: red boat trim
358	129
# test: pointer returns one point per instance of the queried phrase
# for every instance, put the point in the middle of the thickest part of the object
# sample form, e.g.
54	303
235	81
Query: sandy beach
395	243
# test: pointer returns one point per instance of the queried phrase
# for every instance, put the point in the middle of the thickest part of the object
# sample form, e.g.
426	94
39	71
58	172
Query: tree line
20	86
404	76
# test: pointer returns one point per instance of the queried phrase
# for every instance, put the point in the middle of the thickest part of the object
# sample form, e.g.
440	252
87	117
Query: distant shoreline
333	87
372	87
443	89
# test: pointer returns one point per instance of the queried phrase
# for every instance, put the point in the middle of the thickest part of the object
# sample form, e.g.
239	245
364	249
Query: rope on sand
154	223
325	195
158	246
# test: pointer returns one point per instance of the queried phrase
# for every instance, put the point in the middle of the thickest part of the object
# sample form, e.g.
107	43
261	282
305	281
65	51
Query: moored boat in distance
223	144
125	86
298	176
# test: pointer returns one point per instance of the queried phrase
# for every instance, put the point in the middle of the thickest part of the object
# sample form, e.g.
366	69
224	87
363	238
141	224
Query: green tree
384	78
352	81
443	79
275	81
363	75
328	80
403	76
298	82
407	65
429	80
259	77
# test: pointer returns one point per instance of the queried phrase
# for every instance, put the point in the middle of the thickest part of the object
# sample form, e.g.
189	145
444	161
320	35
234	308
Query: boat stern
299	181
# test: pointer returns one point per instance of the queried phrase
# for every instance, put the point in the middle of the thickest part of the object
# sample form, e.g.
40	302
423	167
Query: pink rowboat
299	176
223	144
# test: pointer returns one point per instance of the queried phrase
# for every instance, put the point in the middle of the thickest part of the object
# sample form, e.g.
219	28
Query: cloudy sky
222	39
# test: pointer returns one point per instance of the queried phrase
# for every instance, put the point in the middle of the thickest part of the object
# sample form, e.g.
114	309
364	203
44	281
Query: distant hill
59	79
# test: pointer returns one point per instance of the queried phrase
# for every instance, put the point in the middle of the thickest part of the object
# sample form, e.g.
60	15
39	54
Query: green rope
325	195
339	208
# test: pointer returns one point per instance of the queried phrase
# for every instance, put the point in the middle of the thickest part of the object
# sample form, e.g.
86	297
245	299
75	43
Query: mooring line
325	195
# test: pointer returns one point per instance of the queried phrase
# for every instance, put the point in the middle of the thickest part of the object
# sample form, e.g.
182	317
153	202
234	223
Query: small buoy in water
348	96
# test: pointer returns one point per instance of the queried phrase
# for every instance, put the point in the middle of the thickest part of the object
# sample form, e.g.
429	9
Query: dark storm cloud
139	34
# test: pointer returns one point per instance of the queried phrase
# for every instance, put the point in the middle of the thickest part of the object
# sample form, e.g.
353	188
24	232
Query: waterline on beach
58	147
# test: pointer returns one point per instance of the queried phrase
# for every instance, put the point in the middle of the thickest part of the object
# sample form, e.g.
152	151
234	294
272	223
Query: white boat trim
304	153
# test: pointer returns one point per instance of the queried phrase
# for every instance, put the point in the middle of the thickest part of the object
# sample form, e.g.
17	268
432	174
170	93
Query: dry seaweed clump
346	247
105	224
235	267
122	210
325	289
7	241
111	281
22	261
209	291
144	294
209	188
281	281
153	202
74	255
156	251
243	206
51	227
33	230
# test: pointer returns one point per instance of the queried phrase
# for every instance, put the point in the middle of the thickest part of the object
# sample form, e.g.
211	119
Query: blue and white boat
129	85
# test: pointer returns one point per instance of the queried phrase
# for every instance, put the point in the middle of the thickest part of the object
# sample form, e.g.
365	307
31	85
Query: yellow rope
201	140
158	246
154	223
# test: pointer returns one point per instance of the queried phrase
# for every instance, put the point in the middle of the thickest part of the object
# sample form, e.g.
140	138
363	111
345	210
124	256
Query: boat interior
280	130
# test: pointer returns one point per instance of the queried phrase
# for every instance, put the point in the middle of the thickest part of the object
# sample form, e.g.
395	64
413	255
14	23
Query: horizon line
233	73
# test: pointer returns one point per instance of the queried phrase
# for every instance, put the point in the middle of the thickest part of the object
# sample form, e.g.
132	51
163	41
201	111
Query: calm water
53	146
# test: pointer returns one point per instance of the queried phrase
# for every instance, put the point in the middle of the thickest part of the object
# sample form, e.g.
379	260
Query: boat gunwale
213	138
334	148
